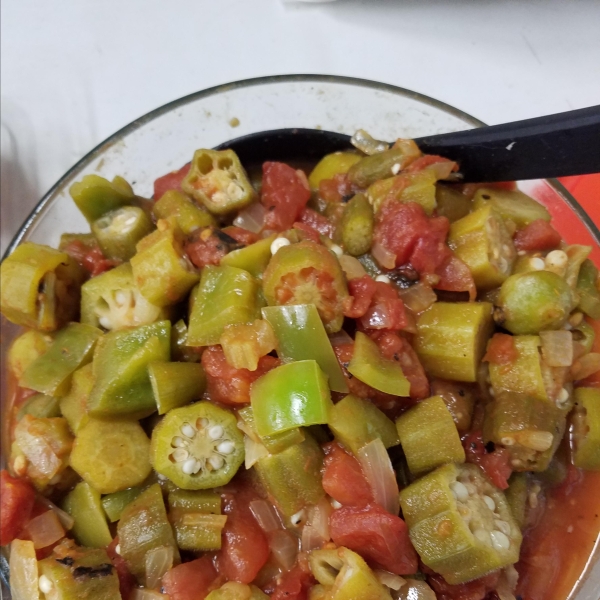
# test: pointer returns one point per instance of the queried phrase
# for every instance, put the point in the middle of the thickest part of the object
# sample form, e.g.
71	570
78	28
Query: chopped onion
158	562
318	517
340	338
251	218
366	143
383	256
311	539
378	470
145	594
557	348
254	451
442	169
391	580
415	590
418	297
284	546
266	515
585	366
351	266
65	518
23	571
45	529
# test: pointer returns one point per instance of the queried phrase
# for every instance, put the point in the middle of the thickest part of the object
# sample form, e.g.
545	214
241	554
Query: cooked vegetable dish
369	383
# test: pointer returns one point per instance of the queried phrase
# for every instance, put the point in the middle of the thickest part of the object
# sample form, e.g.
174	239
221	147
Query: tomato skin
445	165
386	309
335	189
241	235
170	181
191	580
208	246
228	385
501	349
284	194
343	477
361	290
495	464
17	498
294	585
91	259
538	235
127	581
376	535
315	222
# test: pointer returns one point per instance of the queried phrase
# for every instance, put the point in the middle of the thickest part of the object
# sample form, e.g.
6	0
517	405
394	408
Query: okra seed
500	541
489	502
335	504
118	548
336	250
576	319
105	322
278	243
521	253
161	477
396	168
121	297
216	462
201	423
540	441
197	467
215	432
178	442
188	430
180	455
537	264
297	518
45	585
483	536
502	526
557	258
563	396
226	447
471	489
507	441
188	466
506	249
503	265
459	490
382	279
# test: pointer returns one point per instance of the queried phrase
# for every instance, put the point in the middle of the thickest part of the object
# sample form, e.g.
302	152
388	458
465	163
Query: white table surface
75	71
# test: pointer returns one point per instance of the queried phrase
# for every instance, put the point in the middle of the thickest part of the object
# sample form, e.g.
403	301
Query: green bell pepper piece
175	384
586	429
370	169
90	528
232	590
187	216
516	495
292	395
253	258
301	336
451	338
25	349
73	406
357	226
76	573
292	478
511	205
111	455
39	287
122	384
226	296
587	289
453	527
409	187
95	196
356	422
72	348
40	406
331	165
451	203
144	526
370	367
218	180
114	504
429	436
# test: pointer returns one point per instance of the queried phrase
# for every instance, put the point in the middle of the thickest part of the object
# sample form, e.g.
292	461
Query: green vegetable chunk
177	208
253	258
379	166
96	196
408	187
179	348
453	526
114	504
175	384
73	406
511	205
451	203
72	348
356	422
586	429
429	436
331	165
197	446
451	339
25	349
90	528
292	395
516	496
144	526
40	406
111	455
587	289
226	296
237	591
357	225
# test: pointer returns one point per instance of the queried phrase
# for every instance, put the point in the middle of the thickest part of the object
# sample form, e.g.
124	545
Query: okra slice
483	243
451	203
111	455
187	216
144	526
357	225
531	302
356	422
587	289
529	428
218	180
345	575
232	590
95	196
179	349
331	165
72	573
429	436
118	231
122	386
516	495
25	349
307	273
225	296
197	446
40	406
451	339
292	478
114	504
40	287
203	501
370	367
72	348
90	527
516	206
460	523
586	429
370	169
253	258
161	269
73	406
176	384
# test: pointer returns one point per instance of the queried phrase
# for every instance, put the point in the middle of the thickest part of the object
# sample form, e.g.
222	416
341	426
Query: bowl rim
90	156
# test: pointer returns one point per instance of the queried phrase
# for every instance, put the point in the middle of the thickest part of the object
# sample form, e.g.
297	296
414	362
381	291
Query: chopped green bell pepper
301	336
370	367
587	289
114	504
95	196
40	406
516	495
451	338
429	436
175	384
357	226
253	258
331	165
370	169
73	406
511	205
586	429
237	591
226	295
292	395
25	349
174	206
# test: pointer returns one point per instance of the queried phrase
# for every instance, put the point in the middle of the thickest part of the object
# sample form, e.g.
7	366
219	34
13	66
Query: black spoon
552	146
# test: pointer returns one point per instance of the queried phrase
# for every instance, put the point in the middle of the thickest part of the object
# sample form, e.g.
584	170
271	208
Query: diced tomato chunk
361	289
443	166
335	189
378	536
17	498
294	585
285	192
91	259
227	384
191	580
386	310
538	235
208	246
343	477
170	181
241	235
127	581
316	222
501	349
495	464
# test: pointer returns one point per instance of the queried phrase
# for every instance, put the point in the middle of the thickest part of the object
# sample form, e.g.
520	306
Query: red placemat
586	190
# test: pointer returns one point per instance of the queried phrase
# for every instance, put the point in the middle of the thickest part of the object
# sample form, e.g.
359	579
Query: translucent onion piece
45	529
557	348
364	142
585	366
251	218
23	571
158	562
284	546
65	518
311	539
351	266
266	515
418	297
318	517
377	467
340	338
391	580
442	170
145	594
254	452
383	256
415	590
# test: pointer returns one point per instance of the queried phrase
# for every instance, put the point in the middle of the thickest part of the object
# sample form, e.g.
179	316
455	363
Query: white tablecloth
74	71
